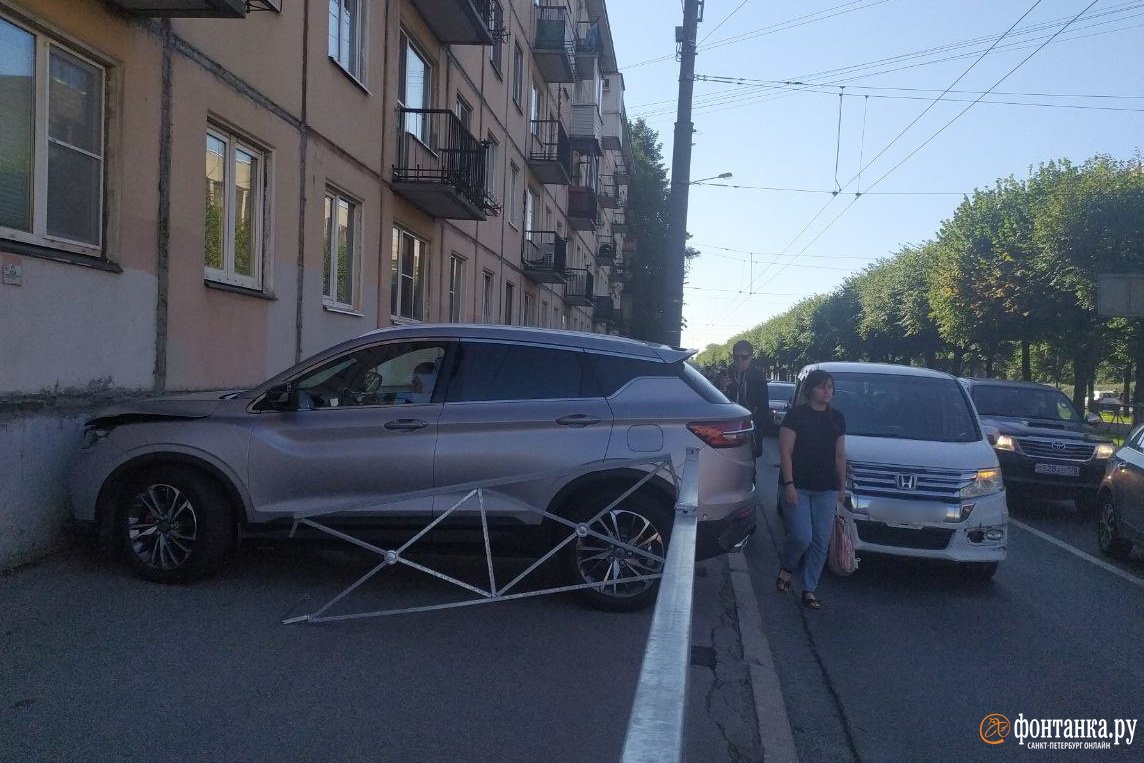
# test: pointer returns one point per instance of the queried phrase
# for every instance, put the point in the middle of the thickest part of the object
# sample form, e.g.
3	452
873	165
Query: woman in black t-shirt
812	477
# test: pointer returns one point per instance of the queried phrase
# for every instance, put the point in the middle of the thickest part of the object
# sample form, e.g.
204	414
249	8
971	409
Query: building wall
144	317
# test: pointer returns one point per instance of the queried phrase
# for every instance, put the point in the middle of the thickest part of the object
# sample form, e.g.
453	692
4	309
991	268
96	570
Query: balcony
578	289
606	254
583	211
604	310
608	196
550	152
229	9
587	128
554	46
544	254
589	45
616	277
620	222
613	131
440	166
458	22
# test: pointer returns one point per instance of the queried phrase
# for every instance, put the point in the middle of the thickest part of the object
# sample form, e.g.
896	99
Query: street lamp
720	176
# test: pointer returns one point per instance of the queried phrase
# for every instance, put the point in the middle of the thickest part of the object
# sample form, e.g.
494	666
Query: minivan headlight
1005	442
1104	450
985	482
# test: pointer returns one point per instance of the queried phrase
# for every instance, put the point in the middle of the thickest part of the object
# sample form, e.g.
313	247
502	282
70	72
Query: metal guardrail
656	725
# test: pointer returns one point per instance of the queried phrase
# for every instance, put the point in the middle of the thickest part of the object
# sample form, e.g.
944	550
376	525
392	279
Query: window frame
456	286
514	196
235	142
496	50
408	45
41	142
329	293
518	76
509	303
355	68
487	308
492	154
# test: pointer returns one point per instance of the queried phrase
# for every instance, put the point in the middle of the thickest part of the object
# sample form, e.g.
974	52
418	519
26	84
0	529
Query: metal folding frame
390	557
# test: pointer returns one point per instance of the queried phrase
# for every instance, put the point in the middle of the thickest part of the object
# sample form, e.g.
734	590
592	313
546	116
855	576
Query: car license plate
1060	470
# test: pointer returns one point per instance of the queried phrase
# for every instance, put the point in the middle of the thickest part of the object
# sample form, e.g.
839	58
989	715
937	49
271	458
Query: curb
775	734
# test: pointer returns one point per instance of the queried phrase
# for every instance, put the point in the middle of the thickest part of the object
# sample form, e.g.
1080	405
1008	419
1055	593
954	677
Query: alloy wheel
613	567
162	527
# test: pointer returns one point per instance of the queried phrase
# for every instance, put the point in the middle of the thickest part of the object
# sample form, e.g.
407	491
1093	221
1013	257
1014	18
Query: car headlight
1005	442
1104	450
987	481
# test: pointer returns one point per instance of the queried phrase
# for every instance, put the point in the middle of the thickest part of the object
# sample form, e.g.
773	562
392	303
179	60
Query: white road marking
1077	552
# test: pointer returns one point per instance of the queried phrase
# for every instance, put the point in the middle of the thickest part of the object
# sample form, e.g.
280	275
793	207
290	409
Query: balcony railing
583	211
604	310
550	152
608	195
606	254
440	166
458	22
554	46
620	222
613	131
589	46
578	288
544	254
184	8
616	276
587	129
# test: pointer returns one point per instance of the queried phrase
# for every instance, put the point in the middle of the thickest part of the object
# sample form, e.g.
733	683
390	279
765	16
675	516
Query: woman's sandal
782	583
810	601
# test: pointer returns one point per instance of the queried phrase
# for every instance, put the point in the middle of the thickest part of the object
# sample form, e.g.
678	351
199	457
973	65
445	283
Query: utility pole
680	177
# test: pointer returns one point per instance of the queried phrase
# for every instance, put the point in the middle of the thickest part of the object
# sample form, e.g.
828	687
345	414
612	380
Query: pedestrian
812	482
749	389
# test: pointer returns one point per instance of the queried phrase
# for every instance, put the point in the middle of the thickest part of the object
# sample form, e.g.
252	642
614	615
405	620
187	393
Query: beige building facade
196	194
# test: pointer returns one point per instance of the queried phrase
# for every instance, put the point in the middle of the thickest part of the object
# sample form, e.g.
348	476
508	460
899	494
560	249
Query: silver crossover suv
349	432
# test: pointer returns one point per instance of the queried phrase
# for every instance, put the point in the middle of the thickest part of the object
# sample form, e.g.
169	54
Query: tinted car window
699	383
491	371
1023	402
614	371
908	407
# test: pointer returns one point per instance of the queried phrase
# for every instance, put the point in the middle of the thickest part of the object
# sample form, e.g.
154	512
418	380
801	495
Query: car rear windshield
780	390
1023	402
698	382
906	407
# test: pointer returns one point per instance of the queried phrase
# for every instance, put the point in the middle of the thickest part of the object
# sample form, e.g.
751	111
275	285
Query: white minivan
922	479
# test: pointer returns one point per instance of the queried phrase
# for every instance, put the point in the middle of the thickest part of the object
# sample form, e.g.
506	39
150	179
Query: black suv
1046	447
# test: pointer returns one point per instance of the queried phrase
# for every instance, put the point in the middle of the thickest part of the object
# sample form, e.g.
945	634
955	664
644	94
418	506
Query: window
464	113
492	164
415	88
530	211
346	35
339	265
517	75
528	311
456	287
496	52
410	266
235	183
509	303
493	371
390	374
51	144
514	195
487	309
543	313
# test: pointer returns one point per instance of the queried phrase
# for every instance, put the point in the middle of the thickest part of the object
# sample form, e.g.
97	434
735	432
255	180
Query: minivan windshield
905	407
1023	402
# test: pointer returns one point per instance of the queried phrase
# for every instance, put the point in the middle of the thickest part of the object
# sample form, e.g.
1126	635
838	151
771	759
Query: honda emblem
907	482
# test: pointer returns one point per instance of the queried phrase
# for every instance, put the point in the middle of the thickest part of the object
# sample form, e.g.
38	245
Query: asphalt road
906	658
96	665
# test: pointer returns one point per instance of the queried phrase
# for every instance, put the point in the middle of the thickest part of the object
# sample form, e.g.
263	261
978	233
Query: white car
923	480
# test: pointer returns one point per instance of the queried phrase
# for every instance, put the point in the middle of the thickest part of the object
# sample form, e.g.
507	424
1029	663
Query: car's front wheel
982	571
173	524
618	575
1108	530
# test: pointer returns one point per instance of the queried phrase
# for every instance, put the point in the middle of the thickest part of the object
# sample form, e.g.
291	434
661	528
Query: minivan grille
1043	447
930	538
910	483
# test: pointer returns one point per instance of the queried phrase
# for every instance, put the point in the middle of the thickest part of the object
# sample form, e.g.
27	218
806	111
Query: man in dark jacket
749	389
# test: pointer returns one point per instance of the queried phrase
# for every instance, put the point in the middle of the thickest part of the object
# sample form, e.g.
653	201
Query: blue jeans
808	534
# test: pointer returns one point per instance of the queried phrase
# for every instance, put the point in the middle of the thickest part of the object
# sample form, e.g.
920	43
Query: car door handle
578	420
405	425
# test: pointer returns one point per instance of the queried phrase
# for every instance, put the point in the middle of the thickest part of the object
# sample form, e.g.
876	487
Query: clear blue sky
806	241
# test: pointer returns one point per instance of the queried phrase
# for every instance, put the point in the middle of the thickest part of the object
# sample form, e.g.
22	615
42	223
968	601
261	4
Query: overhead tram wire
829	201
726	18
940	130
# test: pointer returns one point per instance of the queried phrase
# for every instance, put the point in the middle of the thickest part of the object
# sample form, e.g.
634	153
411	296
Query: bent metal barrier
656	725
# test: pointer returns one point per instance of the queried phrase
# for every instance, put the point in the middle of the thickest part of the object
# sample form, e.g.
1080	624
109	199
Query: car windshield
1023	402
780	390
902	406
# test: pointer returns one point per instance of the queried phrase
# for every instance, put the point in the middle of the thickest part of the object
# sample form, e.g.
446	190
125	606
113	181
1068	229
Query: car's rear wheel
1108	530
614	572
174	524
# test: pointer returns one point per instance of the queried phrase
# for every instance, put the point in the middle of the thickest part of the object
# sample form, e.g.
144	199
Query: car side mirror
1093	418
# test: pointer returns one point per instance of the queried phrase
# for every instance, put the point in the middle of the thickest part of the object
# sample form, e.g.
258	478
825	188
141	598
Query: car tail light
723	434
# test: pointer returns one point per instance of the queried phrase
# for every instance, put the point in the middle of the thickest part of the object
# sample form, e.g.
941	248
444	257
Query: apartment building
195	194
